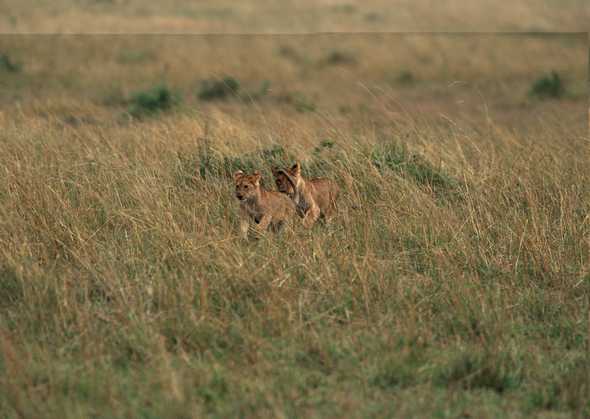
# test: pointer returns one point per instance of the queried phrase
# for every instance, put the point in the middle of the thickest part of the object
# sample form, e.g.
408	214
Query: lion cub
265	208
313	198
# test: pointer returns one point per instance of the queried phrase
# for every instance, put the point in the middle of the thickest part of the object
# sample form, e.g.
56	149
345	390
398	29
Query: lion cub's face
246	185
283	183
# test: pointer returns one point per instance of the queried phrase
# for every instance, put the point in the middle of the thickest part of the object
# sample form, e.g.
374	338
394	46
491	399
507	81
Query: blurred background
470	59
521	81
288	16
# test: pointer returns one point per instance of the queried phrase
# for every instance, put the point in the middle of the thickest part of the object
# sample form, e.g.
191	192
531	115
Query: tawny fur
264	209
313	198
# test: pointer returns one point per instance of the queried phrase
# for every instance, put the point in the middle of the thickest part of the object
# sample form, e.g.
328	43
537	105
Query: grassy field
457	285
287	16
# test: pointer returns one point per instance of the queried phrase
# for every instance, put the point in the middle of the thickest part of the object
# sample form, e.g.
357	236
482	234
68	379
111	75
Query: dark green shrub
339	58
152	101
405	78
391	156
207	163
6	64
290	53
550	86
218	89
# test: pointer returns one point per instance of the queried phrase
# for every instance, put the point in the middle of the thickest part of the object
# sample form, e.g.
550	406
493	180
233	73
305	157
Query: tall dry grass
305	16
458	286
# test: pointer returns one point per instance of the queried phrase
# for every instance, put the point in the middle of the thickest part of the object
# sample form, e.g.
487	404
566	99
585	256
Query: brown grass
304	16
459	287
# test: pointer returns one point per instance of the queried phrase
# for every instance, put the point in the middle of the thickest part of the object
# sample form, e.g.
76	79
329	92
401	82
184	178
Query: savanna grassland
454	281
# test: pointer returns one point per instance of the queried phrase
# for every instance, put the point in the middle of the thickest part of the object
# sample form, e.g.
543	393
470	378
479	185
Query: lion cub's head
247	186
286	179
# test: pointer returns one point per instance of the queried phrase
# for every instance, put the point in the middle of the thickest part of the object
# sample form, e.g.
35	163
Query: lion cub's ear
238	175
296	169
256	175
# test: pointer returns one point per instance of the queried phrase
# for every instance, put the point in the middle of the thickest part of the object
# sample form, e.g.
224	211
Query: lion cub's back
325	192
280	204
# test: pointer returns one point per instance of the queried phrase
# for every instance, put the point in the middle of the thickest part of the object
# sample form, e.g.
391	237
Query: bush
339	58
548	87
209	164
8	65
153	101
218	89
405	77
290	53
391	156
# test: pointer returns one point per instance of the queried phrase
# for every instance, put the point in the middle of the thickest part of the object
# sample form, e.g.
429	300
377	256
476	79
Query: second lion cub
313	198
266	208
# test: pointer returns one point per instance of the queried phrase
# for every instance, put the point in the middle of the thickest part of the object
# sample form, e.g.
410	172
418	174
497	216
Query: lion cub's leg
262	226
244	227
311	216
330	211
244	223
277	227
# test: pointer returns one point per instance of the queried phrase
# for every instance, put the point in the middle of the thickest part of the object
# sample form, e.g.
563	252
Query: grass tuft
11	287
153	101
337	57
405	78
209	164
550	86
6	64
391	156
214	89
478	371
